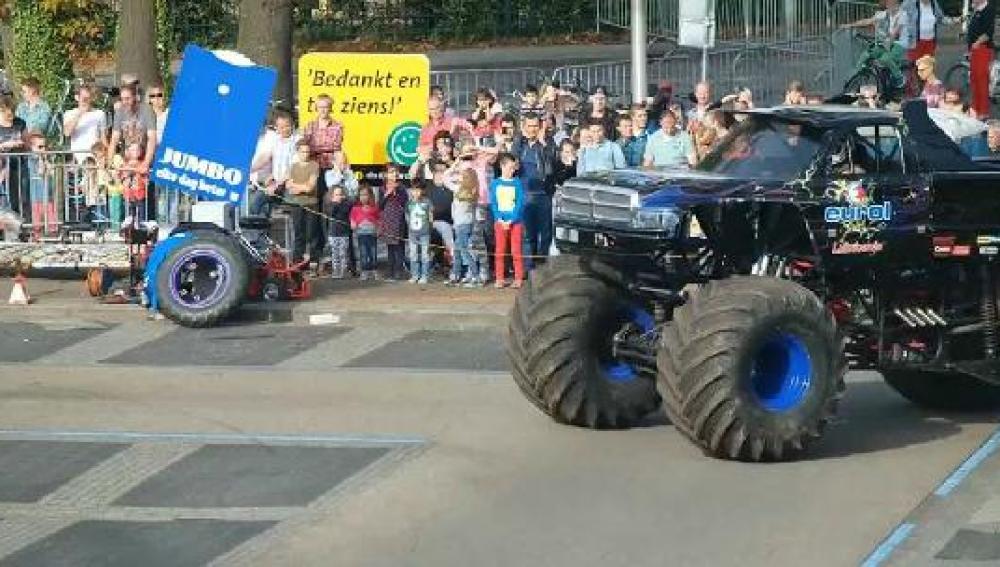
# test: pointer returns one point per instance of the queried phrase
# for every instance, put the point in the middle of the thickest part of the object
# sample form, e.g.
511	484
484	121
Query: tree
32	47
265	35
136	44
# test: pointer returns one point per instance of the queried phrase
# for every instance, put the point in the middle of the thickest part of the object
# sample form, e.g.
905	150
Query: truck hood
684	188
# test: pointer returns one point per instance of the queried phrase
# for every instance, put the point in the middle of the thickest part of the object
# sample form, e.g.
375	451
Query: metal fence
760	44
764	69
460	86
55	194
744	21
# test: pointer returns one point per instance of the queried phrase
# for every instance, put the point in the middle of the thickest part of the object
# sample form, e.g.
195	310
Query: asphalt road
407	444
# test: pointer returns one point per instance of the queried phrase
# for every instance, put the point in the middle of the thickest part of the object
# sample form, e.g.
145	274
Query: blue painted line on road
206	438
965	469
885	549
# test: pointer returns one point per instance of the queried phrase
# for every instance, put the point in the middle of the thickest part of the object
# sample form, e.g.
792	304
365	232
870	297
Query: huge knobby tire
941	391
559	343
751	368
213	291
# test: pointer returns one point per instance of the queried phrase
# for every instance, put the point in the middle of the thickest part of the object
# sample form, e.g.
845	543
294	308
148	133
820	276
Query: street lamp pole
639	86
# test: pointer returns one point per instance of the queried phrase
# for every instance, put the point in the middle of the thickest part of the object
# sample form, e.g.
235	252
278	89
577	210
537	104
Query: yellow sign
380	98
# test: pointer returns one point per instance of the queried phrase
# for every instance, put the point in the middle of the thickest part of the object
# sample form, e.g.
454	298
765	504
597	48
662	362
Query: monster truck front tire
202	281
943	391
751	368
559	343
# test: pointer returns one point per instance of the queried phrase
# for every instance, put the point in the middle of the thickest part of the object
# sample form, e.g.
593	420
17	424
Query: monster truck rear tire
559	343
751	368
202	281
940	391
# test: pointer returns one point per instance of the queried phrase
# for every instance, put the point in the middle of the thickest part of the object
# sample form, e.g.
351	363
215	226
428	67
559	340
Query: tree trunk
136	49
7	43
266	37
7	34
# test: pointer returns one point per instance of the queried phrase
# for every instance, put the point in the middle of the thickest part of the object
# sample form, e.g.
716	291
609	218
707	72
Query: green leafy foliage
84	26
40	51
211	24
435	20
164	42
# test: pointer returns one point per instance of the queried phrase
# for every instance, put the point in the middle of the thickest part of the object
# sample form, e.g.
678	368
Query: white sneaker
413	280
422	281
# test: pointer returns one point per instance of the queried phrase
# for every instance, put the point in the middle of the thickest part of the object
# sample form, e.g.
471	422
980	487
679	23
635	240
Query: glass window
882	149
763	147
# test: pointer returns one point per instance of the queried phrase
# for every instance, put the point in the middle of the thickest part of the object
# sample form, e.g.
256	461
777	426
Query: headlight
663	219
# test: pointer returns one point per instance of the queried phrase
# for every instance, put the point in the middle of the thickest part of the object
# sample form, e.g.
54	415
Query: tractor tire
273	290
751	368
202	281
559	344
941	391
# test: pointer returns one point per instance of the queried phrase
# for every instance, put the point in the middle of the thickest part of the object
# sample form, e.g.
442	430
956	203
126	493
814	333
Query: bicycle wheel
958	78
863	77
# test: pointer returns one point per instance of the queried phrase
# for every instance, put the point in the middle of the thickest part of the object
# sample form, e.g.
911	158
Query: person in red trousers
980	36
507	202
926	18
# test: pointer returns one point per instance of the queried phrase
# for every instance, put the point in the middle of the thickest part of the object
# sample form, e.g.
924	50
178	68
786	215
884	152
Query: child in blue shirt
507	205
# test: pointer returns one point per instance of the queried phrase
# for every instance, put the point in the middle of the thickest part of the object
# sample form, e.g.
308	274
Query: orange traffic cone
19	295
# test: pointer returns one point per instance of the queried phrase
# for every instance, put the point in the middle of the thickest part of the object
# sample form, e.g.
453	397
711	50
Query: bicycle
872	69
957	77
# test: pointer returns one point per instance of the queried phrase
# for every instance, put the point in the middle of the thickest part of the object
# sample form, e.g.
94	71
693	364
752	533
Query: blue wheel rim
781	373
199	278
620	372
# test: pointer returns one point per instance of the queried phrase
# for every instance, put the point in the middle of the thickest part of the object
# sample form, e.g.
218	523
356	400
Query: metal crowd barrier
62	195
460	85
744	21
764	69
760	44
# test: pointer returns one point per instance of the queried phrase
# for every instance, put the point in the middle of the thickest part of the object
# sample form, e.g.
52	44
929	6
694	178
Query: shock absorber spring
989	313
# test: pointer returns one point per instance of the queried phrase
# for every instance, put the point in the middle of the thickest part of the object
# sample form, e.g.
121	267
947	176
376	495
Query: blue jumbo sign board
216	113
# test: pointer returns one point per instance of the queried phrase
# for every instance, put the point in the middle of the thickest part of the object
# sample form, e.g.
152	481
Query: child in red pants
507	203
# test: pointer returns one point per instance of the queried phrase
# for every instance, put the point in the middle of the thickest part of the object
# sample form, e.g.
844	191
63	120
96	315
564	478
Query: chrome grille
597	203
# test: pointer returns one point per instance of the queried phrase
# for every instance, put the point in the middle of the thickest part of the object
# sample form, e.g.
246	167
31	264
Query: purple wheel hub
199	278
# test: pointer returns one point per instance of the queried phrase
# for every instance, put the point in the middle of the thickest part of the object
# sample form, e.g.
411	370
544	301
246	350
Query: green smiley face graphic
403	142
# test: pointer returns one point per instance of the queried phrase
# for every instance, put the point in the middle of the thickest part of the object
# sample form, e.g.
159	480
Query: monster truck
736	295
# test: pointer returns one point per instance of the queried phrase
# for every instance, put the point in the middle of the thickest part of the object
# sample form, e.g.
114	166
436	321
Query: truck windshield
764	148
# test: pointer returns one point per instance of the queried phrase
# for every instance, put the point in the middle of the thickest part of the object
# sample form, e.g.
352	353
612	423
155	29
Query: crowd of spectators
480	192
475	207
87	167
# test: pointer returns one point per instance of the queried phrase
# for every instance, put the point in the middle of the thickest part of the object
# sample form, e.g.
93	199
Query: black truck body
879	215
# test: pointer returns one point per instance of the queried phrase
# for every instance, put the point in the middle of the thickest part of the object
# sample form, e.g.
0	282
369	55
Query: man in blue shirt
33	110
601	154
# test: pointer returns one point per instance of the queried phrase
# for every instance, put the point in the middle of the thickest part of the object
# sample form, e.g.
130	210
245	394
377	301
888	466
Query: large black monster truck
810	241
